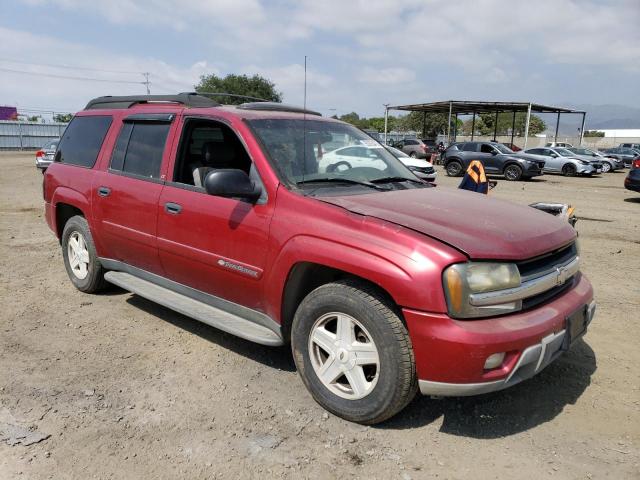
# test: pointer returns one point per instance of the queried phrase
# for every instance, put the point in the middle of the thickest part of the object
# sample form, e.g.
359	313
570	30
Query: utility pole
146	82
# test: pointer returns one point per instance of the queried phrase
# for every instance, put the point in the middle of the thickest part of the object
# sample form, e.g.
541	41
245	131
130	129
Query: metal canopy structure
454	108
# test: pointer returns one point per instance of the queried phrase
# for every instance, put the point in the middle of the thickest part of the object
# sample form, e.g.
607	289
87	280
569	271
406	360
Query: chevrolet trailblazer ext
383	284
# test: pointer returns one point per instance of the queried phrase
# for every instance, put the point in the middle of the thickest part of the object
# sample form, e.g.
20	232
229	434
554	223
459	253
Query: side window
486	148
207	145
349	152
82	140
469	147
535	151
139	148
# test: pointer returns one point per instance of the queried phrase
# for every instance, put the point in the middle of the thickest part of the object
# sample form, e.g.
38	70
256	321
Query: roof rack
276	107
186	99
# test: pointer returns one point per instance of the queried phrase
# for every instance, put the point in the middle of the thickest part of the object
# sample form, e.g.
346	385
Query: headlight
584	162
463	279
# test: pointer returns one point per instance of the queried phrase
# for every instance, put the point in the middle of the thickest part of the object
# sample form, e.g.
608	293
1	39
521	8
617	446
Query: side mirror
231	183
554	155
494	152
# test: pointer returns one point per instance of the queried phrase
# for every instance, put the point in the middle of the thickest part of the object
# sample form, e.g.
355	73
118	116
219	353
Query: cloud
36	89
386	76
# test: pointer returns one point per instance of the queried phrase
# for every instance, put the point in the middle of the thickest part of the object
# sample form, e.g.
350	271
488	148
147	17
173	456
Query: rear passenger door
125	196
490	158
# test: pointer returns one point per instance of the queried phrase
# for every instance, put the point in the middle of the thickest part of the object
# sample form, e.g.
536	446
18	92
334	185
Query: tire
606	167
569	170
366	393
413	155
335	167
513	172
84	269
454	168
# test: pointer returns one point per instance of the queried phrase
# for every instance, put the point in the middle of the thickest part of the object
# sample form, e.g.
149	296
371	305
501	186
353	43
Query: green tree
63	117
487	123
434	123
254	86
593	133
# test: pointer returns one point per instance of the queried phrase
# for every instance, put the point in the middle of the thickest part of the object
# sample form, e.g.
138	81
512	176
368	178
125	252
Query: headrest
218	154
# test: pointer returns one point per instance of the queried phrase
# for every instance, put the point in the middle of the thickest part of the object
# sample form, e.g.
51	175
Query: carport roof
463	107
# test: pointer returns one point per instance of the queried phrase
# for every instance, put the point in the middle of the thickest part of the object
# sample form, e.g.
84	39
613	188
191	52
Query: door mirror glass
554	155
231	183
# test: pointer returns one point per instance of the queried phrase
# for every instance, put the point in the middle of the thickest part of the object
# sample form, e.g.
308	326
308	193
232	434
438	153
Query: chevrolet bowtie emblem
562	275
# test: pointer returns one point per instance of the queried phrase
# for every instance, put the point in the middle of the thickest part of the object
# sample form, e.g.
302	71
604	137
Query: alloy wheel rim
453	169
78	255
511	173
606	167
344	356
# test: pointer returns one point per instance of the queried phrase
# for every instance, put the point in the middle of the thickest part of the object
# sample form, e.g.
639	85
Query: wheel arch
304	277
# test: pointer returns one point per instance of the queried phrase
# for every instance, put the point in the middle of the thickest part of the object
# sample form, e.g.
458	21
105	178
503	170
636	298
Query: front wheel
606	167
454	168
569	170
413	154
353	352
513	172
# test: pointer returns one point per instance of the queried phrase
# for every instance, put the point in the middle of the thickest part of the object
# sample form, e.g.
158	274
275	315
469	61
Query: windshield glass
304	151
501	148
564	152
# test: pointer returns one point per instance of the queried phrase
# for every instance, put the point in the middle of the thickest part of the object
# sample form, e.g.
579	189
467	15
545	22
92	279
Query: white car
420	168
352	156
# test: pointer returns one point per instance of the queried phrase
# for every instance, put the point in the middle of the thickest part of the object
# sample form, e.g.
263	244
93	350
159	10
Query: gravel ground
113	386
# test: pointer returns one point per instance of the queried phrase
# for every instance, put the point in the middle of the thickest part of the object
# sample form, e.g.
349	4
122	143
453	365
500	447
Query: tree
593	133
63	117
34	118
255	86
486	125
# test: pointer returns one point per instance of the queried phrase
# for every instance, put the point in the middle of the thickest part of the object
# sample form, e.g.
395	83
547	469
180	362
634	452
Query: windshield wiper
340	180
396	179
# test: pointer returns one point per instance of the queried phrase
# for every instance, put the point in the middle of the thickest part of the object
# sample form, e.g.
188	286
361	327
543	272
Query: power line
69	67
69	77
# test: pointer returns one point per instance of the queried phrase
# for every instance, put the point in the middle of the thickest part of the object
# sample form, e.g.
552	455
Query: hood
415	162
480	226
527	156
588	158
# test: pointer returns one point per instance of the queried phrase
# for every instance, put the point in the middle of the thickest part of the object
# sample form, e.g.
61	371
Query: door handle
104	191
172	208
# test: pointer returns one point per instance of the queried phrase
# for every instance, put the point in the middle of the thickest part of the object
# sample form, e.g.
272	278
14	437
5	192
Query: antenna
304	123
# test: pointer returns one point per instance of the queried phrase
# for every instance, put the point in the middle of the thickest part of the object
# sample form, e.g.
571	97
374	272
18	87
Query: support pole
513	127
473	125
526	127
449	124
20	133
555	137
424	124
386	120
495	127
455	129
584	117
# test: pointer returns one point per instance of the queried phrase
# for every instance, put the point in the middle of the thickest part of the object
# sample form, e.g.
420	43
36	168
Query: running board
208	314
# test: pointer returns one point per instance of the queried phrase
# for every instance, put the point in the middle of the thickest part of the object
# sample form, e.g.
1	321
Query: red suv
382	283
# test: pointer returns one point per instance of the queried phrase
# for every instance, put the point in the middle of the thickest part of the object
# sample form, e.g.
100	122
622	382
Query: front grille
545	264
538	266
425	170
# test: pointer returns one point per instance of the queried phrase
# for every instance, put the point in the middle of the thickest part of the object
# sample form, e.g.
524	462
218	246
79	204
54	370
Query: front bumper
589	169
450	354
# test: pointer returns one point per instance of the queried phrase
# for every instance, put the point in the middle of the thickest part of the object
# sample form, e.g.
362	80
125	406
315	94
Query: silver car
44	156
609	164
561	160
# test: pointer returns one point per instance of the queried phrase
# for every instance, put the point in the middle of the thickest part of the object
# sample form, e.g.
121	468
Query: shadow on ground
517	409
632	200
494	415
276	357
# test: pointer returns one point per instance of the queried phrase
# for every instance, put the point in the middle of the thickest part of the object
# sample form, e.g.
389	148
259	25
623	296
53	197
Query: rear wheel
569	170
353	352
80	258
513	172
454	168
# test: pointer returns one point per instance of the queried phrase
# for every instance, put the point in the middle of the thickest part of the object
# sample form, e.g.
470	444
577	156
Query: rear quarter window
82	140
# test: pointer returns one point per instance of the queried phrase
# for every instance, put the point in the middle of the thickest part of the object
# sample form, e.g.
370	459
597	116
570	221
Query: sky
361	54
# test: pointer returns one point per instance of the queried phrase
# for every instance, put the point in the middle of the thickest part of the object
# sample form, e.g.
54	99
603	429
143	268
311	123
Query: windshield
305	152
564	152
501	148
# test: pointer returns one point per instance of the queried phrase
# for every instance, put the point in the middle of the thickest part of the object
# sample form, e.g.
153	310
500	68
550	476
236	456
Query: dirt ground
113	386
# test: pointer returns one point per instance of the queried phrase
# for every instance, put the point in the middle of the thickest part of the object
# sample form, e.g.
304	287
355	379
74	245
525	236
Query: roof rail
276	107
186	99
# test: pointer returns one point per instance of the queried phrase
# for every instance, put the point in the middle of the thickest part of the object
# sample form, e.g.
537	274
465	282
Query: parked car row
501	160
